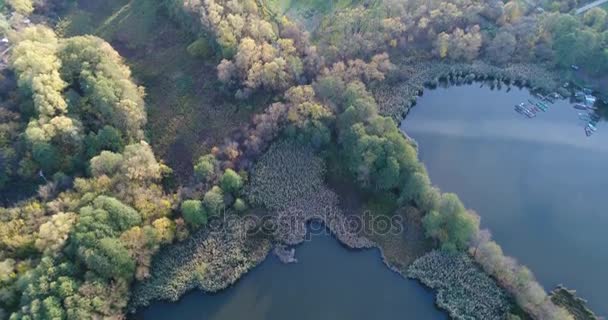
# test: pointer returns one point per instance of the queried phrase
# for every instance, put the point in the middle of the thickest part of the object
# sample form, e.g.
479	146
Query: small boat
580	106
542	106
522	109
584	116
588	131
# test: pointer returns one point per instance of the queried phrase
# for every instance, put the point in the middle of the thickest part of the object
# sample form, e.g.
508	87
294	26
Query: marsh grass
463	289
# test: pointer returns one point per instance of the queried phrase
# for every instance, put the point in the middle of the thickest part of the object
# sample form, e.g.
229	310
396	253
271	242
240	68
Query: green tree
110	259
46	156
205	168
418	190
452	224
214	200
239	205
231	181
194	213
596	19
107	138
121	216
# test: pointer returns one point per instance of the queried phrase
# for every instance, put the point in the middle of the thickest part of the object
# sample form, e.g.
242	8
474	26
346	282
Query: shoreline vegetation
397	98
108	224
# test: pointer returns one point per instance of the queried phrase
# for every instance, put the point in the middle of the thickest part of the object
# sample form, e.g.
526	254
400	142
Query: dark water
329	282
540	185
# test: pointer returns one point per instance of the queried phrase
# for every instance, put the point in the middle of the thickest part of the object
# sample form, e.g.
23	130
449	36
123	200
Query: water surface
540	185
328	282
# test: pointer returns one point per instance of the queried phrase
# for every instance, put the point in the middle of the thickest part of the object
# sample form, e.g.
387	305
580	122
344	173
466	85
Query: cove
328	282
540	185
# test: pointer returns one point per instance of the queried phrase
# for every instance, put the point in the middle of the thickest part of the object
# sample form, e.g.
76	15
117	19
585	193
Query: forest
89	201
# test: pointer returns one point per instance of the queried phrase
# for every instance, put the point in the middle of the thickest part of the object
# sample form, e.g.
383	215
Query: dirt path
590	6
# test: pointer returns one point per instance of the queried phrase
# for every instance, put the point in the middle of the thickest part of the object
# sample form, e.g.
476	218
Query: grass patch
309	13
134	23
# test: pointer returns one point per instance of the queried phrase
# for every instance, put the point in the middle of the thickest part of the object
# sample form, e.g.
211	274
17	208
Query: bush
194	213
239	205
200	48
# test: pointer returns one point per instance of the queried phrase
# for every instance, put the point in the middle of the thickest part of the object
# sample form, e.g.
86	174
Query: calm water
329	282
540	185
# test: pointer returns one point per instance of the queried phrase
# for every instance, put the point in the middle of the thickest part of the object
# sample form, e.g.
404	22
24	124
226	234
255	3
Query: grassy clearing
320	6
187	114
309	13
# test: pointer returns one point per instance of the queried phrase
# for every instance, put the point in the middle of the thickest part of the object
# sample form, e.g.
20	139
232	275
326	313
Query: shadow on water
328	282
539	184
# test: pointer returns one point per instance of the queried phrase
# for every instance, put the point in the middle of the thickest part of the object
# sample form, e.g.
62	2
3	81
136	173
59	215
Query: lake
540	185
328	282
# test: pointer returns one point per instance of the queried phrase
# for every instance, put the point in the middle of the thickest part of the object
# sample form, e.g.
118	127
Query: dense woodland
72	122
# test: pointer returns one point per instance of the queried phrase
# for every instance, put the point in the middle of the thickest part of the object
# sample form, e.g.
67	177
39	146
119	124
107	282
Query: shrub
200	48
239	205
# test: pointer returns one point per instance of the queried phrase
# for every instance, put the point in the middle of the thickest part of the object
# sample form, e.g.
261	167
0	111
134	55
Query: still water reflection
329	282
540	184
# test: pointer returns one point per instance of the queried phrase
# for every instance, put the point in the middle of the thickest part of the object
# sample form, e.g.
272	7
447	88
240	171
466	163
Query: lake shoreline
473	134
457	75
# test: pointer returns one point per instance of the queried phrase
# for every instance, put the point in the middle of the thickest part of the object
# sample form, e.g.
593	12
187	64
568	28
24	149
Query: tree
24	7
214	200
239	205
513	11
452	225
139	163
121	216
46	156
106	163
502	47
107	138
596	19
165	229
110	259
417	189
231	181
205	168
193	212
54	233
113	96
